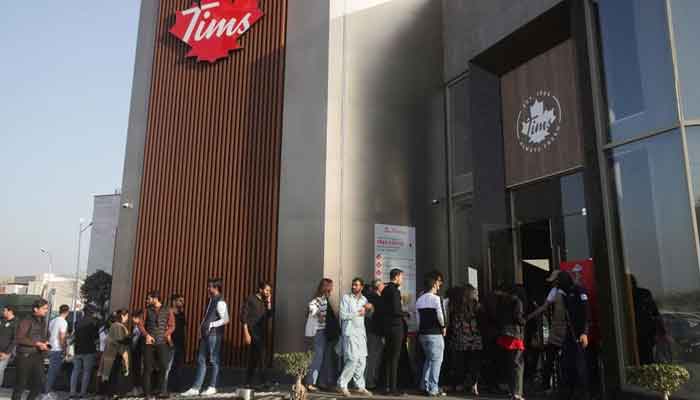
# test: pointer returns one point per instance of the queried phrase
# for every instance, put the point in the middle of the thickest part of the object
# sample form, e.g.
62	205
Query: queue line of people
363	344
131	351
477	341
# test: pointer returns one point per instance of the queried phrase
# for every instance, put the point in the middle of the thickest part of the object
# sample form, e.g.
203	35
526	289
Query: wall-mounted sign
539	121
213	27
542	129
395	247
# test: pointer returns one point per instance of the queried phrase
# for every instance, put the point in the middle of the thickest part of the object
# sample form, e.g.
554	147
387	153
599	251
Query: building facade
105	217
515	138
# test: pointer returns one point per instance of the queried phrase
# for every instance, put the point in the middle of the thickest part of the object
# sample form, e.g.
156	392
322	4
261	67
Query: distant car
21	302
684	330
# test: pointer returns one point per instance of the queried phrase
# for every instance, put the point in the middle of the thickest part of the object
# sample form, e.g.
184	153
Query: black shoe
164	395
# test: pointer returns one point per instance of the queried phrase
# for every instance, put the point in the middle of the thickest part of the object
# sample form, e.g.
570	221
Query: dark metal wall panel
210	188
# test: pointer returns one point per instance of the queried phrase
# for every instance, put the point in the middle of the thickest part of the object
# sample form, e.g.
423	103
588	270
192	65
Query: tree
97	290
297	366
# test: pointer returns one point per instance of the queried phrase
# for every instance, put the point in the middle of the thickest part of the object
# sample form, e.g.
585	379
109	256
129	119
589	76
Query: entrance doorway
549	227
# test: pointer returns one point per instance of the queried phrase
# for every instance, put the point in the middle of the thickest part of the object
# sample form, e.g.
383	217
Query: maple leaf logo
213	27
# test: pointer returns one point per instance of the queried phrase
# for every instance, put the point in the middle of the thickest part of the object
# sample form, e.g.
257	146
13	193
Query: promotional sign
542	128
213	27
584	272
395	247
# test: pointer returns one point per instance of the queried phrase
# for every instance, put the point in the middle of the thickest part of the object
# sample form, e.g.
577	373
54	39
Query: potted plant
295	365
660	378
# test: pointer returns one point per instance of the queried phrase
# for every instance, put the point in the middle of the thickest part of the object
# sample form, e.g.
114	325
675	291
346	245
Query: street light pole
77	270
48	253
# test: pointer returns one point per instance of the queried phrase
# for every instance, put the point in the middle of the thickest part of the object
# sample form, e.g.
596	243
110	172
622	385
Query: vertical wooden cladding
210	187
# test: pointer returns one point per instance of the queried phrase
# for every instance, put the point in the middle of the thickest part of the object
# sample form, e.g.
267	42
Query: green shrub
661	378
294	364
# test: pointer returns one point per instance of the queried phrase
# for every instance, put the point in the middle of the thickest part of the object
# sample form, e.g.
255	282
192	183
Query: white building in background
13	288
59	289
105	218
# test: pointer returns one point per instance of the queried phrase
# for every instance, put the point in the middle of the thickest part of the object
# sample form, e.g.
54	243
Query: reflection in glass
686	26
659	253
638	67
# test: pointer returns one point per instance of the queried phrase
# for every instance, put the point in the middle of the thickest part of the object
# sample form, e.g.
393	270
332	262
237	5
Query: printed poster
395	247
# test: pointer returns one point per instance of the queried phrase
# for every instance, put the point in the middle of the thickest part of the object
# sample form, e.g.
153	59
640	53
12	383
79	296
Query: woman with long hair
464	340
115	373
509	306
316	329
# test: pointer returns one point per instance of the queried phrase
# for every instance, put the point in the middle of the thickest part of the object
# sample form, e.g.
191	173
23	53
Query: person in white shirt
353	308
58	330
431	335
211	336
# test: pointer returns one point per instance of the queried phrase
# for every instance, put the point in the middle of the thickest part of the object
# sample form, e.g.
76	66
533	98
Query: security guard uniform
574	370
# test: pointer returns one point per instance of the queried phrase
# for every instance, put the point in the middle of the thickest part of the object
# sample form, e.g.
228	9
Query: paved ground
230	393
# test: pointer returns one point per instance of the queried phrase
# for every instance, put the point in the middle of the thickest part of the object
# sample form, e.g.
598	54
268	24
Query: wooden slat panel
211	171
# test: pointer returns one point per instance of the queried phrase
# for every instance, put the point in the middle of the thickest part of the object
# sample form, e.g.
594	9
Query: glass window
638	67
459	131
662	277
686	26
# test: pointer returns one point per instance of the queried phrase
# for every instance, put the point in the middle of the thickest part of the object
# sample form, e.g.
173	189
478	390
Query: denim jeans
82	365
3	365
434	349
55	363
319	345
174	373
210	347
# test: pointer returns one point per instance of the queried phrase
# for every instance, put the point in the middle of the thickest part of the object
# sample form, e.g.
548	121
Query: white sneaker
191	392
209	392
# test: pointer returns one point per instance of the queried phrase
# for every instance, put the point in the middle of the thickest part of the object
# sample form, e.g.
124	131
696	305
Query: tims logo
538	122
212	27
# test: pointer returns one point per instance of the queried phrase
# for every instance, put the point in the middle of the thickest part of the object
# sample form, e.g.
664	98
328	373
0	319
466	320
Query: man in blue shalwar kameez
353	308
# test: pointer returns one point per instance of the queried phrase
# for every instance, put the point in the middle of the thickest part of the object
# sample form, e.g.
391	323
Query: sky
66	70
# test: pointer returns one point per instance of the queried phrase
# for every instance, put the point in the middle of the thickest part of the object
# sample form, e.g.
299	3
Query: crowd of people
462	342
139	353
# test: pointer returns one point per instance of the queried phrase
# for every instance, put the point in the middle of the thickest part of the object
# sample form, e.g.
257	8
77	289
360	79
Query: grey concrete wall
470	29
125	242
302	188
385	133
105	217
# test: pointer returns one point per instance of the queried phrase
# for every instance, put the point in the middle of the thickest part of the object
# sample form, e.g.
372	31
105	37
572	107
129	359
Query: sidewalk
230	393
225	393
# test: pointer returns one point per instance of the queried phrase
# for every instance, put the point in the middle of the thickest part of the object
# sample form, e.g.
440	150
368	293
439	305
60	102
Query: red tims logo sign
213	27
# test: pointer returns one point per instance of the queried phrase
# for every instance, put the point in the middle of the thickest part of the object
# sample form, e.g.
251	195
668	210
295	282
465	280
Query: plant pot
298	390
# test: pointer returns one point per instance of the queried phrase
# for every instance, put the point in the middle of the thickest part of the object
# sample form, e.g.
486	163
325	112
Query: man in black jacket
574	370
375	344
32	341
85	339
393	329
8	325
255	313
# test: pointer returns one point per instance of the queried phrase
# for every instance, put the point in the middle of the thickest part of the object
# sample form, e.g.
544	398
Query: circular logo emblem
538	121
